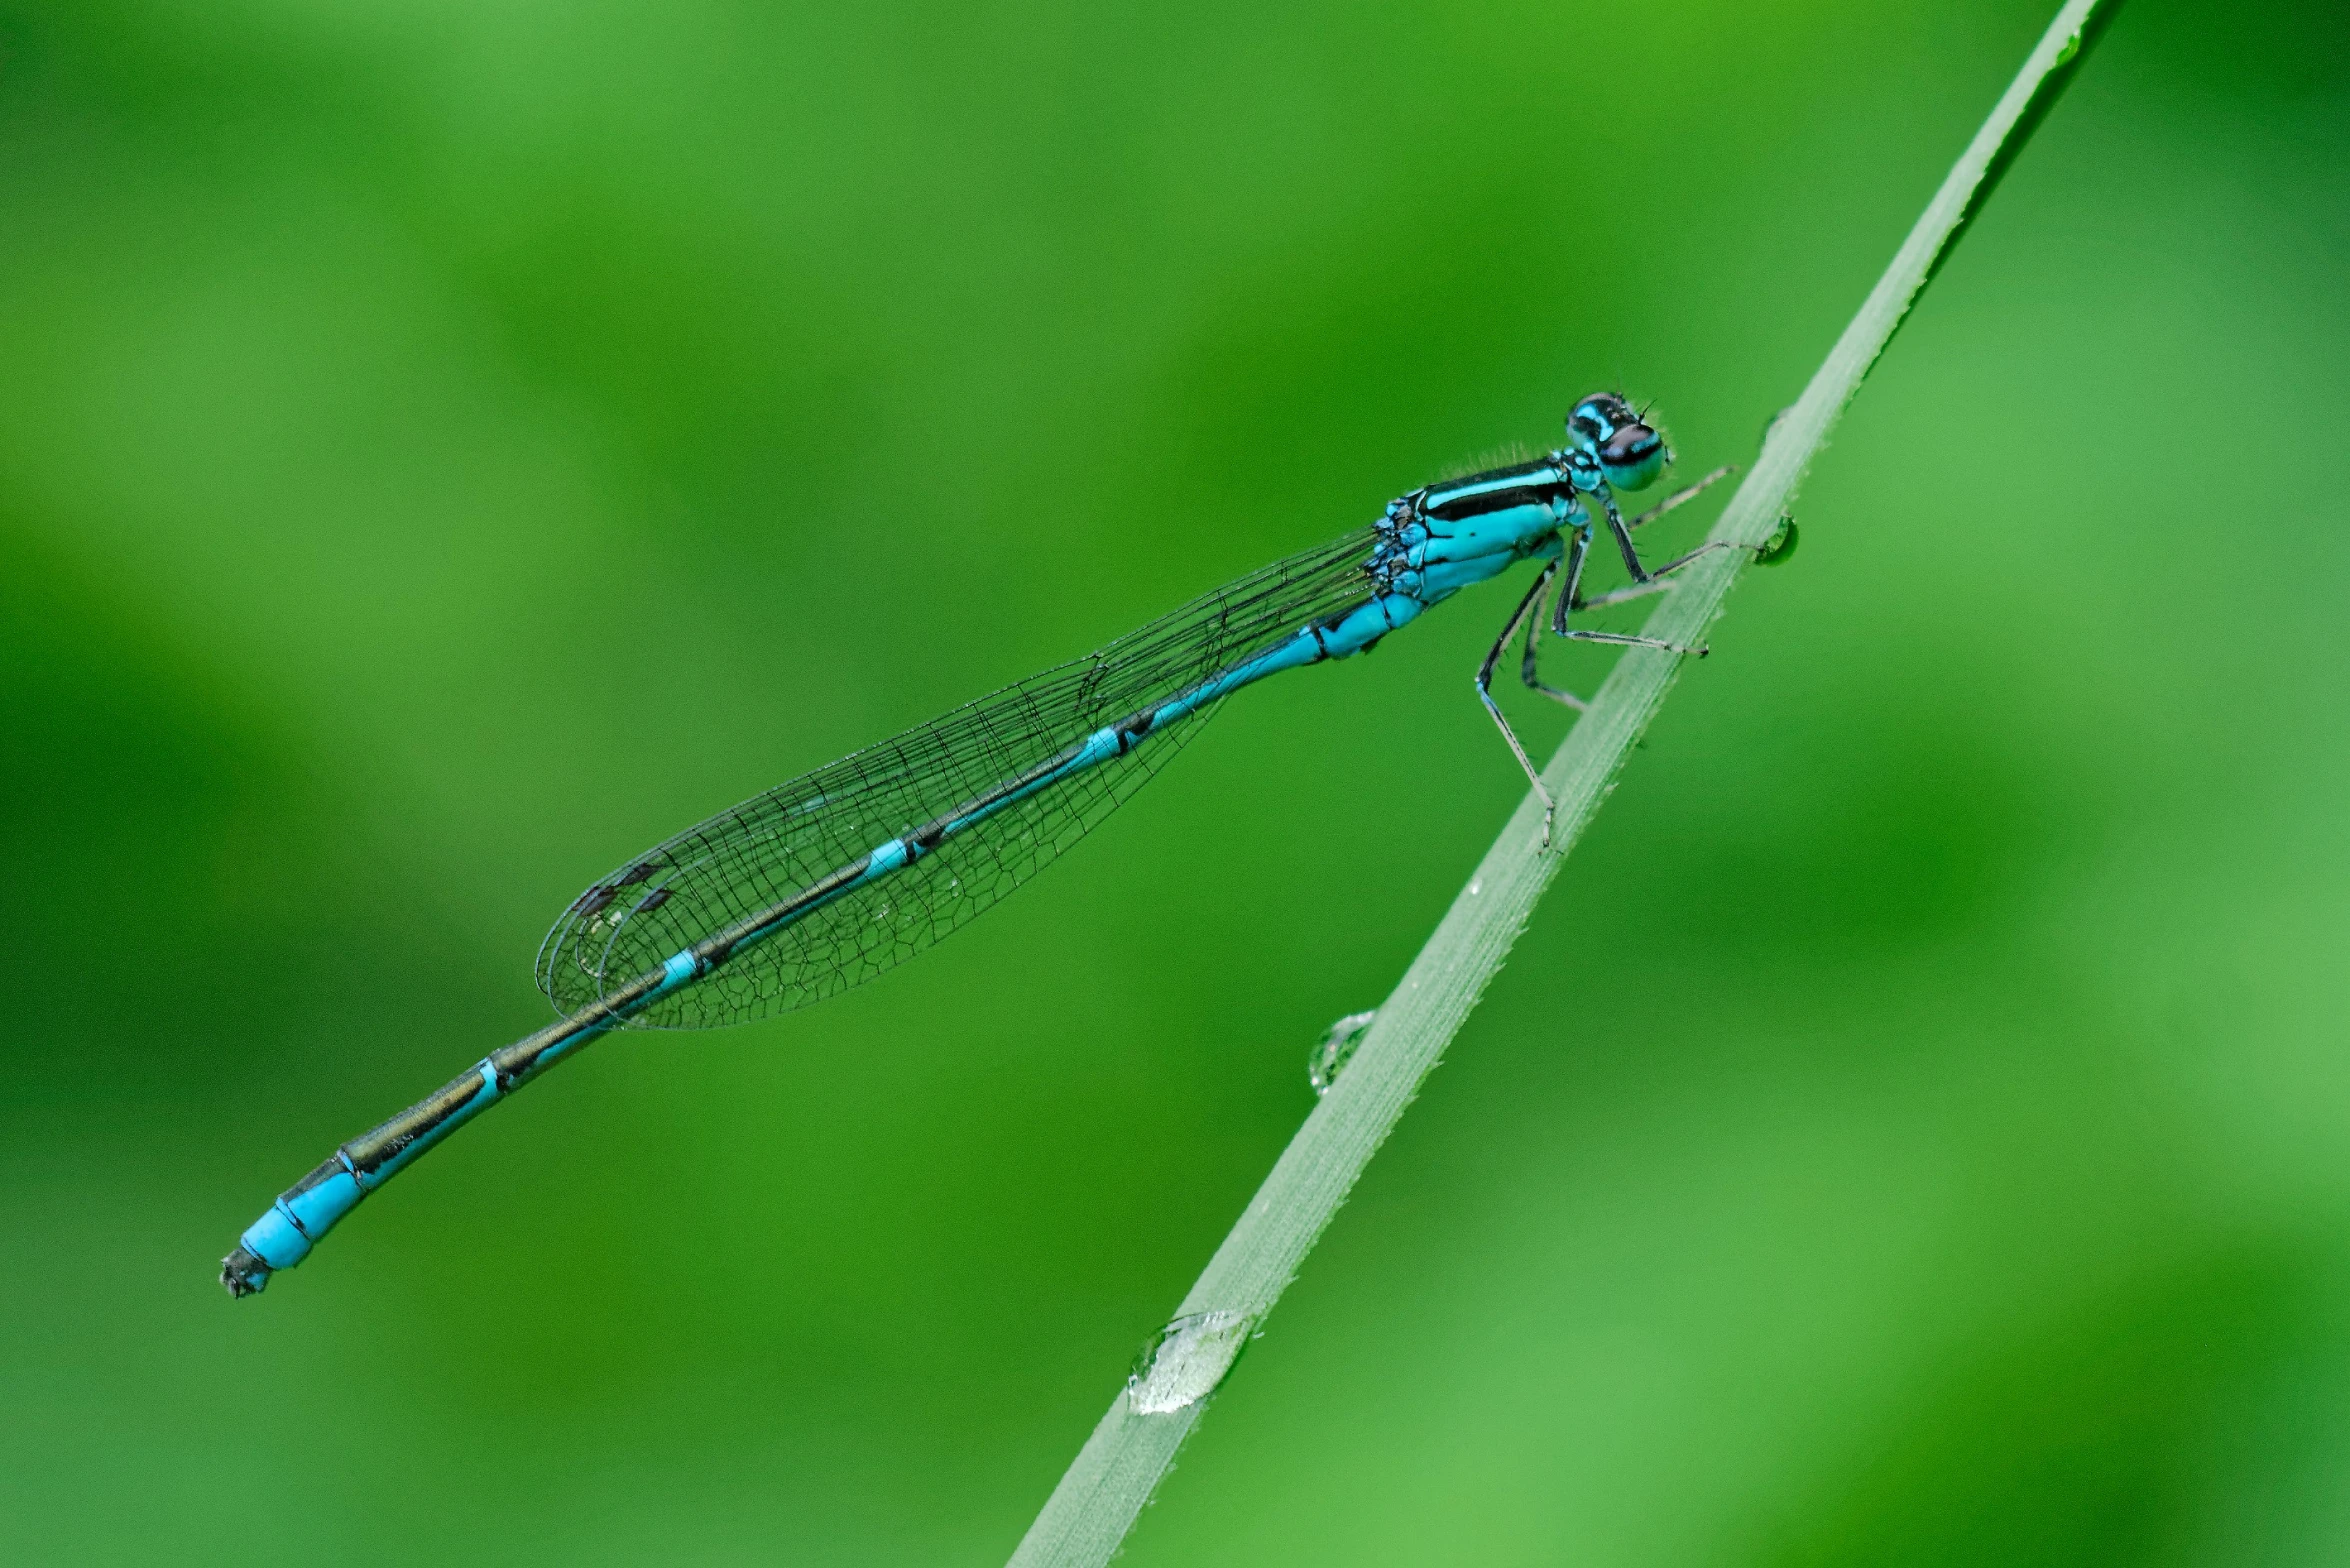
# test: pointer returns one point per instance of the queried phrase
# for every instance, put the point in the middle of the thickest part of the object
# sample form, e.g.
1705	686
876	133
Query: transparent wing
776	845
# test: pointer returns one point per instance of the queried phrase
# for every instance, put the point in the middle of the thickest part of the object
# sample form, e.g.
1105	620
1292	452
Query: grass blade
1113	1476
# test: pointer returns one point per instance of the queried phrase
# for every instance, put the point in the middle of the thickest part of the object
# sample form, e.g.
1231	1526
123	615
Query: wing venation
773	846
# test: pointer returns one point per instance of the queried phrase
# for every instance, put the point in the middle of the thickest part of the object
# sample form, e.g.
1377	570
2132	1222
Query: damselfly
826	881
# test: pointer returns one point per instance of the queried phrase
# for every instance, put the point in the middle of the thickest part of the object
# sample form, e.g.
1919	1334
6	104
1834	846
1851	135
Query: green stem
1121	1464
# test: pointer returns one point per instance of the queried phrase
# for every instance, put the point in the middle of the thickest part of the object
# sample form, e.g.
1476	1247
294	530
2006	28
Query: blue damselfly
824	882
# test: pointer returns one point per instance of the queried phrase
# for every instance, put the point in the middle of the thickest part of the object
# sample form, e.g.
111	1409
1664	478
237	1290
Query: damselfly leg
1578	542
1623	532
1654	581
1526	608
1579	546
1530	669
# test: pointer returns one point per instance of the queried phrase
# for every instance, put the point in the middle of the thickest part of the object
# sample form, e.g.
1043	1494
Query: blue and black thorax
1446	536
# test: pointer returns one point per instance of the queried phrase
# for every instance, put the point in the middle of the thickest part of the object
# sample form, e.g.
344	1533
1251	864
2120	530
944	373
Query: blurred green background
447	447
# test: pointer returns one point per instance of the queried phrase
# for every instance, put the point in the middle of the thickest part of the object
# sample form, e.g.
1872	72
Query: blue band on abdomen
284	1235
680	968
275	1239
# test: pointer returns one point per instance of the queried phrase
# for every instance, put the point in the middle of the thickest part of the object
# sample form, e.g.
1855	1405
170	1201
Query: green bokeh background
446	447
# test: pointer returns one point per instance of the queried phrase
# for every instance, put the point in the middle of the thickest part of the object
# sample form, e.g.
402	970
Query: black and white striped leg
1623	532
1576	546
1656	580
1653	584
1681	498
1530	669
1525	607
1529	666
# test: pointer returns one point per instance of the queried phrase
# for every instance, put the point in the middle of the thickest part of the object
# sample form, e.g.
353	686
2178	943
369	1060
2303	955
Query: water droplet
1331	1053
1185	1361
1476	887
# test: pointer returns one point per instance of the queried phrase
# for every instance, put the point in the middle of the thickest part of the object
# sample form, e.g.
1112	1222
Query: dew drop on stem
1331	1053
1186	1361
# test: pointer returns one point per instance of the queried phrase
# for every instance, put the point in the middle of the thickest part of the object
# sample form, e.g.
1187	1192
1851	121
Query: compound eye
1590	423
1632	457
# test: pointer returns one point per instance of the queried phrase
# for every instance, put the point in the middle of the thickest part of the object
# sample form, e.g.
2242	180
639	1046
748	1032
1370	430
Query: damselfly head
1630	453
